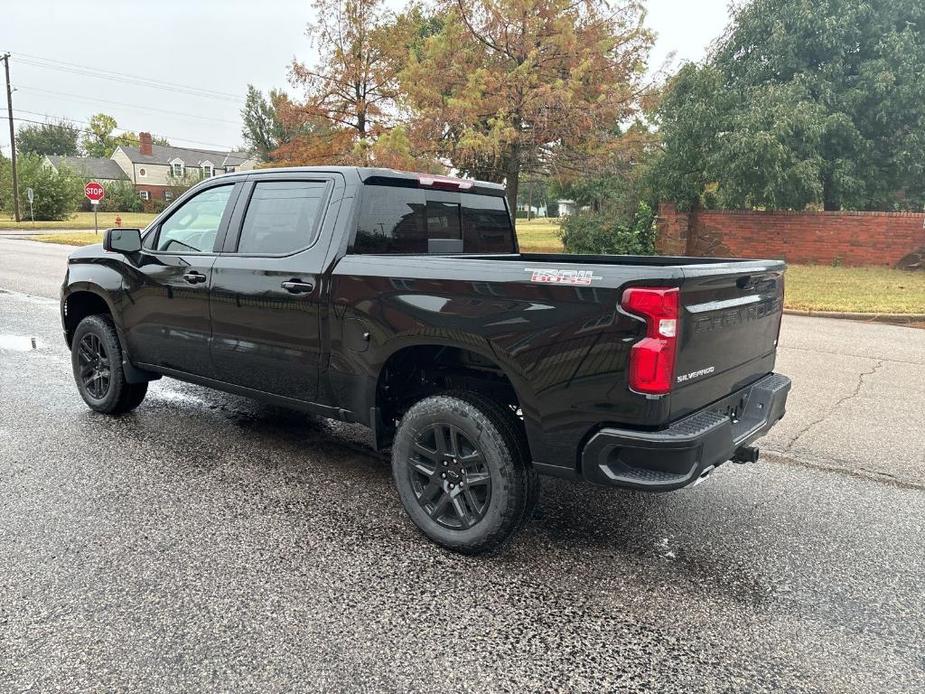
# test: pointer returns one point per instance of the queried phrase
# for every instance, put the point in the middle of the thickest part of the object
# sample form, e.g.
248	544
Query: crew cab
402	302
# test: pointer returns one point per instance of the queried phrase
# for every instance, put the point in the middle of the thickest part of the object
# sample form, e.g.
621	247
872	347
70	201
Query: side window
193	227
282	217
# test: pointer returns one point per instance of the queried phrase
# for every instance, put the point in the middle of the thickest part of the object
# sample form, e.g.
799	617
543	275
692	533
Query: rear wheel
96	357
462	468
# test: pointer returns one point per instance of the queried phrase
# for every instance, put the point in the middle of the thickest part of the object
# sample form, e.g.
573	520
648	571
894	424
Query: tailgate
730	322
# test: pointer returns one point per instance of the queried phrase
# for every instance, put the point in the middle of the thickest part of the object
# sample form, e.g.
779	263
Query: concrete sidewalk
39	232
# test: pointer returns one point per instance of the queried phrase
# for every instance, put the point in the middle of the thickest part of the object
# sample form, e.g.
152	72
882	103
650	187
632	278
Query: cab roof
390	177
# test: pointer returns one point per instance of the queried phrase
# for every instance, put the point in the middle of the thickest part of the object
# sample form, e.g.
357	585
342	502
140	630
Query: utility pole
9	107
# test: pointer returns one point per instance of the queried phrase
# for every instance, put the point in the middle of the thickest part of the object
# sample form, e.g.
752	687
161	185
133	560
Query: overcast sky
217	46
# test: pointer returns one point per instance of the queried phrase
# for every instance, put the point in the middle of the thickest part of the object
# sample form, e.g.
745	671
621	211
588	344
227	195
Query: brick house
155	169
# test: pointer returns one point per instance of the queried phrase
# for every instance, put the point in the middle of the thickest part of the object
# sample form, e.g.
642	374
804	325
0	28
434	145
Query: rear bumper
677	456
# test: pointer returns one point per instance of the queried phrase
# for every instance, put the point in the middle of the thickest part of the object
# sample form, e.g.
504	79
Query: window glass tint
412	220
281	217
192	228
486	225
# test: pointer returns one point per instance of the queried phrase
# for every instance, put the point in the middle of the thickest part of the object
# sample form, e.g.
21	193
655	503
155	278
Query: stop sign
94	191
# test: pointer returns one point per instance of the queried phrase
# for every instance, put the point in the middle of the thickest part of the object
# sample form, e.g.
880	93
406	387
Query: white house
154	169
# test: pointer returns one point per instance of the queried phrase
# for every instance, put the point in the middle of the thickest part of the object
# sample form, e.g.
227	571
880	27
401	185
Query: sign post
31	195
94	192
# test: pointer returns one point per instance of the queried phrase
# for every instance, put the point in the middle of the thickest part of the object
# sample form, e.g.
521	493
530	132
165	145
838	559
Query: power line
125	105
125	78
90	132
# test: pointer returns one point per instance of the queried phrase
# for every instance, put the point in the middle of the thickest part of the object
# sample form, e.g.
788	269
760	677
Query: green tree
100	139
57	194
263	130
6	185
802	103
48	138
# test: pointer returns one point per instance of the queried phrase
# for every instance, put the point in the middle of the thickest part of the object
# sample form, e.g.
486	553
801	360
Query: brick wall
155	192
848	238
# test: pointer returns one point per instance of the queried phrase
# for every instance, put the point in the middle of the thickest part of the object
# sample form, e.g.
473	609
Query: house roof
161	154
90	167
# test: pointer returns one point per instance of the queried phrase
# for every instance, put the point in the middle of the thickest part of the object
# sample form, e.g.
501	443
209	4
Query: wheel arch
82	299
428	365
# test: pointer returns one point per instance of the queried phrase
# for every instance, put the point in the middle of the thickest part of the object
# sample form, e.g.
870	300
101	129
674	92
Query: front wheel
96	357
462	468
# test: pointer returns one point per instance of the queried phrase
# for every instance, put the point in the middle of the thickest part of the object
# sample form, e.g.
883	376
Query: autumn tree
350	91
512	86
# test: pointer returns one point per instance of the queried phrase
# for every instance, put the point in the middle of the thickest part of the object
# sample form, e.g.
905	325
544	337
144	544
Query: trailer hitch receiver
745	454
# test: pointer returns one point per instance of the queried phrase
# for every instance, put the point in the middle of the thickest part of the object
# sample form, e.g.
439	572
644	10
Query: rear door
730	322
267	286
166	315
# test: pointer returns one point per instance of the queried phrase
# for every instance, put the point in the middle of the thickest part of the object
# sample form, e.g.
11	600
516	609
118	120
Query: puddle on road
19	343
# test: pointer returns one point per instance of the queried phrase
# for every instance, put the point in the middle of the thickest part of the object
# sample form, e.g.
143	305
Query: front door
266	288
166	314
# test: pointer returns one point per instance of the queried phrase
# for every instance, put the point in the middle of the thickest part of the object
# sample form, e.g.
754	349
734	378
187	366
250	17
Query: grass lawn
75	238
854	289
539	235
84	220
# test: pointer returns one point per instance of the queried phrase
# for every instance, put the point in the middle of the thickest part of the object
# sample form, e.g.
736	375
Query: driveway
208	542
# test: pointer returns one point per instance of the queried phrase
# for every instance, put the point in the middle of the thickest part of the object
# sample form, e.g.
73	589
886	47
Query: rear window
412	220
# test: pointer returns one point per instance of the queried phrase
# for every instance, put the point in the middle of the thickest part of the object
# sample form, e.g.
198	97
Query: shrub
121	196
57	194
600	233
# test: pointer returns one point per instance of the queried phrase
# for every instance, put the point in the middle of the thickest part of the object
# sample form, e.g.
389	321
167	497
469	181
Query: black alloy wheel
95	370
96	358
462	467
449	476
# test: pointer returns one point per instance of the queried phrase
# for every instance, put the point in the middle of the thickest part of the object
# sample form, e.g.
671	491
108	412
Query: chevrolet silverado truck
402	302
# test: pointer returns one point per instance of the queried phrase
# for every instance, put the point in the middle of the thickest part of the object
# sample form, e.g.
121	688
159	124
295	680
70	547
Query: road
206	542
32	267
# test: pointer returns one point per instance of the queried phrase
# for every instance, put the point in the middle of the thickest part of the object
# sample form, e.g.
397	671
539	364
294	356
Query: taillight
651	367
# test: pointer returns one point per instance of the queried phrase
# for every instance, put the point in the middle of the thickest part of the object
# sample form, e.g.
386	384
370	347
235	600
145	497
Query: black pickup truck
401	301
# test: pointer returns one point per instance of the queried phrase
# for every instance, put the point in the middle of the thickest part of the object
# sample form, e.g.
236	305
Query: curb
40	232
868	317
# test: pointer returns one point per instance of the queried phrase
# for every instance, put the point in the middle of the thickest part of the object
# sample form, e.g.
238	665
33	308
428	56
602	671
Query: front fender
99	273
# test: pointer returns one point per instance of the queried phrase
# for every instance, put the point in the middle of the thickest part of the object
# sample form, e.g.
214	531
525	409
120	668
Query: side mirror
122	240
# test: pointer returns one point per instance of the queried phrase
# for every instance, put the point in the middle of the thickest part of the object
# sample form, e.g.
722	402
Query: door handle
297	286
194	277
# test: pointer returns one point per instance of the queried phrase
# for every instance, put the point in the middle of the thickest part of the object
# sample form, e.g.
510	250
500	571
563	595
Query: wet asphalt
206	542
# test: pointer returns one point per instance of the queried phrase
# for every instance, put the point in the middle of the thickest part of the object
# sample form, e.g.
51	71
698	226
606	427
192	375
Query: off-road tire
499	438
119	396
